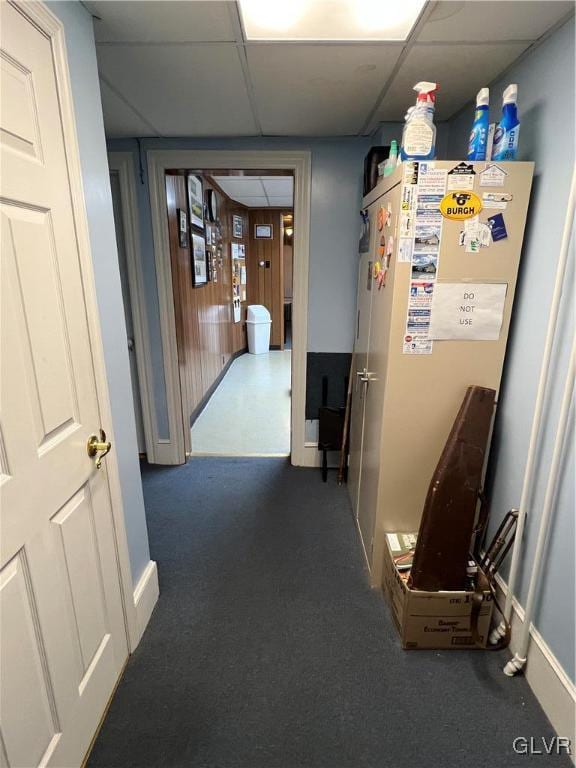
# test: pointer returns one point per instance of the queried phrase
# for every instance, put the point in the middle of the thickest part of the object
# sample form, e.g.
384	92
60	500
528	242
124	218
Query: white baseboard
312	457
550	683
145	598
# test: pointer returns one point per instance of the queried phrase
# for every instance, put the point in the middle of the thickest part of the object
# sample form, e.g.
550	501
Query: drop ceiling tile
119	120
315	90
252	202
461	70
191	90
247	186
165	21
492	20
281	202
279	186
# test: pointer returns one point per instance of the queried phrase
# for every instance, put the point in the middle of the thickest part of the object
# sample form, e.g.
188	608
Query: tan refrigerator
436	281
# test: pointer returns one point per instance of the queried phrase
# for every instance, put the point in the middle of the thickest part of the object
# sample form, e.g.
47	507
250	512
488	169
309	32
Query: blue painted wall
337	172
90	130
546	104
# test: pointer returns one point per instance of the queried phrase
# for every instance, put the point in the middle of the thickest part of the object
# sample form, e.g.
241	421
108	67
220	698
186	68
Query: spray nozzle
510	95
426	91
483	97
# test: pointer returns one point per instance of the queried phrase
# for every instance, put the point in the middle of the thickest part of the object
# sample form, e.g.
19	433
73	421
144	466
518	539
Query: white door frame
122	163
53	28
159	161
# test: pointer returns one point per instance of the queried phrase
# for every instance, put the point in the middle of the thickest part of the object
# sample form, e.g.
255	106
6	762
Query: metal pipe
519	660
500	630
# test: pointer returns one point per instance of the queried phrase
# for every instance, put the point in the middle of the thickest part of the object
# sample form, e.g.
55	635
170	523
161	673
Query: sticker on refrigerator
461	177
497	227
496	200
410	175
424	265
416	340
427	238
460	205
431	180
492	176
475	235
405	247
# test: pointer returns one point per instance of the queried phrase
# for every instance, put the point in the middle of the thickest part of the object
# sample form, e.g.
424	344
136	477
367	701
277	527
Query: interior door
62	633
363	305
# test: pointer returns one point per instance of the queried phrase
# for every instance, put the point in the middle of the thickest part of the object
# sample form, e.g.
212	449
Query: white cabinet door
62	632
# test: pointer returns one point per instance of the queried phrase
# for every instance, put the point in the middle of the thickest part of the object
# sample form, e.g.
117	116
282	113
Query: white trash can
258	321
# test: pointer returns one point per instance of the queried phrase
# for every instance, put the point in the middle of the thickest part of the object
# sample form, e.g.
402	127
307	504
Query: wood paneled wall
265	270
206	335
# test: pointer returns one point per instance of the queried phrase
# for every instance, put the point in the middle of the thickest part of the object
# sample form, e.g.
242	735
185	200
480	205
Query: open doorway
231	235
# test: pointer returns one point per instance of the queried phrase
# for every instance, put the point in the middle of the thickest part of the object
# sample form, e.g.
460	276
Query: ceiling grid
186	69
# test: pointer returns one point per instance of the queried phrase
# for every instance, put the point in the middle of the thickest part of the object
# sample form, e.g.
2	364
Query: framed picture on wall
182	228
263	231
196	201
199	271
237	226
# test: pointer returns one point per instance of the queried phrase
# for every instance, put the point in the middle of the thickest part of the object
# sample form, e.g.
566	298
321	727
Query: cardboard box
434	620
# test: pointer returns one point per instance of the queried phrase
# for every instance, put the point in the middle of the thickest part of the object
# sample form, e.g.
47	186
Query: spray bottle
392	161
506	135
479	135
419	135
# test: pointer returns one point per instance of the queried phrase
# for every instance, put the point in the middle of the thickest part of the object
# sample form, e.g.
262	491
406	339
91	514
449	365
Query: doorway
227	235
265	162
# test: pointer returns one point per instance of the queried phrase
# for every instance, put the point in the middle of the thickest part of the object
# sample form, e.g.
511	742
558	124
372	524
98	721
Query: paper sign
467	311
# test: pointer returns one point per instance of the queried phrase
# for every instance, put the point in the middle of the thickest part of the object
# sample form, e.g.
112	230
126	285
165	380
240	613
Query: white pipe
500	631
519	660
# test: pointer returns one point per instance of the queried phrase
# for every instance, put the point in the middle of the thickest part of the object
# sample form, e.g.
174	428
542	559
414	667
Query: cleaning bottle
419	135
479	135
392	161
506	134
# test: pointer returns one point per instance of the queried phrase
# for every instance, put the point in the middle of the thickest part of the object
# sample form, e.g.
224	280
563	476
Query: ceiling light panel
329	19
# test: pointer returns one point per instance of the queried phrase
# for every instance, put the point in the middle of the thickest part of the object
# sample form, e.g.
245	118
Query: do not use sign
467	311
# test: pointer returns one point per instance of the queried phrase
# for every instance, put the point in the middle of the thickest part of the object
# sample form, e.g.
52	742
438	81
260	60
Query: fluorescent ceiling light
329	19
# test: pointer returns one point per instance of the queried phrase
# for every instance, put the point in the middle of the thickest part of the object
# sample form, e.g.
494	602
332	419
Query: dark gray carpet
267	649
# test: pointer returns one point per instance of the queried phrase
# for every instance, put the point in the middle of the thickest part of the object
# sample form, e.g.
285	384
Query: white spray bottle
419	135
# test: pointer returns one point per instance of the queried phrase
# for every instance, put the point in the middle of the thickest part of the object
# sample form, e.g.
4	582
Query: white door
62	632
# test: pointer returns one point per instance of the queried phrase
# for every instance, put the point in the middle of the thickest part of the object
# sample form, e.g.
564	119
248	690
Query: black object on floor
267	648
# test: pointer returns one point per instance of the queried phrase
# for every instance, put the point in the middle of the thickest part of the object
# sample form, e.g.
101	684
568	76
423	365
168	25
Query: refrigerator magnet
497	227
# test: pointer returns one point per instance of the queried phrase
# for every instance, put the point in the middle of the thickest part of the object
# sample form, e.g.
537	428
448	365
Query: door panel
62	634
376	364
363	304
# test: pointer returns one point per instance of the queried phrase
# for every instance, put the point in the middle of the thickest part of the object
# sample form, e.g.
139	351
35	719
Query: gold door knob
97	444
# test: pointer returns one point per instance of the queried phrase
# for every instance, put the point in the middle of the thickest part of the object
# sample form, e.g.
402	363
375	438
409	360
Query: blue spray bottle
479	134
506	135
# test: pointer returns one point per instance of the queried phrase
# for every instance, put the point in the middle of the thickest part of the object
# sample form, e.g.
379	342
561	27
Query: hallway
249	413
267	649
